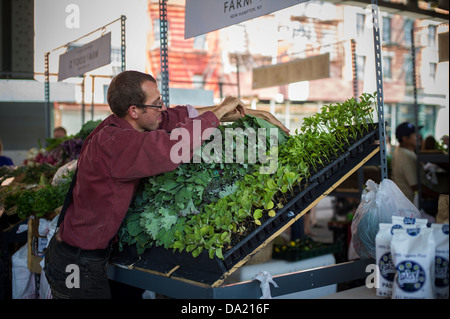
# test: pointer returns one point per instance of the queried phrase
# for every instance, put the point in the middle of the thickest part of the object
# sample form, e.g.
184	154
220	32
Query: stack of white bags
412	259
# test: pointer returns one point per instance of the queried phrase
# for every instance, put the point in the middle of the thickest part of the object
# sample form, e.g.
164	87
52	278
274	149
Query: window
386	30
198	81
116	55
387	67
361	64
409	24
360	23
156	31
432	35
200	42
105	93
432	74
408	70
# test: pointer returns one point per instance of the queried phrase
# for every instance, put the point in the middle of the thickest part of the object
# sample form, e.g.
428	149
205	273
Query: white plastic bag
440	233
23	281
46	228
266	279
378	205
413	252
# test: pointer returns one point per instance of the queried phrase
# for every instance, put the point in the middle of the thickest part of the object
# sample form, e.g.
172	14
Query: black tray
212	272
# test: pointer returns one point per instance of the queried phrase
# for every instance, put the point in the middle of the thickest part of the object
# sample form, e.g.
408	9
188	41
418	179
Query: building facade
223	60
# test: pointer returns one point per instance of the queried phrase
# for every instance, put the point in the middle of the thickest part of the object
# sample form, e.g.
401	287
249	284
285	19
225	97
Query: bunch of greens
166	205
328	134
35	174
38	200
211	207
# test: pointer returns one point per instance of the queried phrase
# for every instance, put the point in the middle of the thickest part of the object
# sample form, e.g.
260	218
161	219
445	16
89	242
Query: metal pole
355	69
122	42
92	98
163	30
237	77
416	113
83	106
380	98
47	96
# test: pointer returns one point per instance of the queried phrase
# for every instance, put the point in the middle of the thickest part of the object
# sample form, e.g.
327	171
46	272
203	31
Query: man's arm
234	115
230	105
269	117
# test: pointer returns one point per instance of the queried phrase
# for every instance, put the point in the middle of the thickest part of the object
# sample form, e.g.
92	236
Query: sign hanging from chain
86	58
203	16
311	68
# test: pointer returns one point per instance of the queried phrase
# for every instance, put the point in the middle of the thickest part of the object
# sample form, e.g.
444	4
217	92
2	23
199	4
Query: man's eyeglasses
149	105
158	104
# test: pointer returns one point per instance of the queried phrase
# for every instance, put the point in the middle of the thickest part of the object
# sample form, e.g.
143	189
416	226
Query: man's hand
231	107
267	116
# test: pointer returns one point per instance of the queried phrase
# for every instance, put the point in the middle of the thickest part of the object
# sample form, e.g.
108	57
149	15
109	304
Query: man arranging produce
132	143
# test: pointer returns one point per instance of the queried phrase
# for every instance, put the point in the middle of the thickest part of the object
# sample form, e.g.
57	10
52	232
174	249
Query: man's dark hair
125	90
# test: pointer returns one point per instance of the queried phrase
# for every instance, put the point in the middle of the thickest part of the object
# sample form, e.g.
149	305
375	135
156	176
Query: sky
58	22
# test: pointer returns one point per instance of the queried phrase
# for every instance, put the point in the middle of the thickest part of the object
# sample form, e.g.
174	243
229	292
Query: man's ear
132	112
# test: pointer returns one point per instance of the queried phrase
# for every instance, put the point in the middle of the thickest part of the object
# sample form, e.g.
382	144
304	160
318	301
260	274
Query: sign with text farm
203	16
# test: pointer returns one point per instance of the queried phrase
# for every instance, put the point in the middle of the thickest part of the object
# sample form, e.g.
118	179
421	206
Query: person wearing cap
404	162
132	143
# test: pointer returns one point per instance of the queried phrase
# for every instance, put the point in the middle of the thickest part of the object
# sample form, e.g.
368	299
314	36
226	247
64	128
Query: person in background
59	132
4	160
429	143
404	163
132	143
444	140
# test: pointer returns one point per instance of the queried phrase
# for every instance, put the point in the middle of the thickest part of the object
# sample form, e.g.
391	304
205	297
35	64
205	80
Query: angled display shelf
211	273
182	276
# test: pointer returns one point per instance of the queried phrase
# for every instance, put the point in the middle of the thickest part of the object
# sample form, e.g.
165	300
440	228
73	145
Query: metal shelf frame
288	283
48	121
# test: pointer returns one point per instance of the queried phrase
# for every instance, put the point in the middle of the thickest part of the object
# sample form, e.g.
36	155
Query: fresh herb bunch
38	200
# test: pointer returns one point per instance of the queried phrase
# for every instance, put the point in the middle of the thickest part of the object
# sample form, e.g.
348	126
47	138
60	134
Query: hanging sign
89	57
203	16
312	68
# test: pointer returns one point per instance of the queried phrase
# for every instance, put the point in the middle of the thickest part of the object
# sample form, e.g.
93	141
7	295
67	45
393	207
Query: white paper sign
204	16
89	57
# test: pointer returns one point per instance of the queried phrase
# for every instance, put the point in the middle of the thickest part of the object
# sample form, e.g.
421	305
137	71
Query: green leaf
224	235
206	230
271	184
211	252
219	253
178	245
269	205
134	227
257	214
197	251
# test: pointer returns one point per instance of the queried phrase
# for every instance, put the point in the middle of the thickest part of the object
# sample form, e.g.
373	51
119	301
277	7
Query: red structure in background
194	62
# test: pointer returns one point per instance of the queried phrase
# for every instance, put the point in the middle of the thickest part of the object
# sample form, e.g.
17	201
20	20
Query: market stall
193	247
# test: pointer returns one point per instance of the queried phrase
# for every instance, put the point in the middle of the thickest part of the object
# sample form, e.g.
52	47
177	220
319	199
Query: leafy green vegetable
211	206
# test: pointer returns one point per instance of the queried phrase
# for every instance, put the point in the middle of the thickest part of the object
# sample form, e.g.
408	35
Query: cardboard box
36	245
